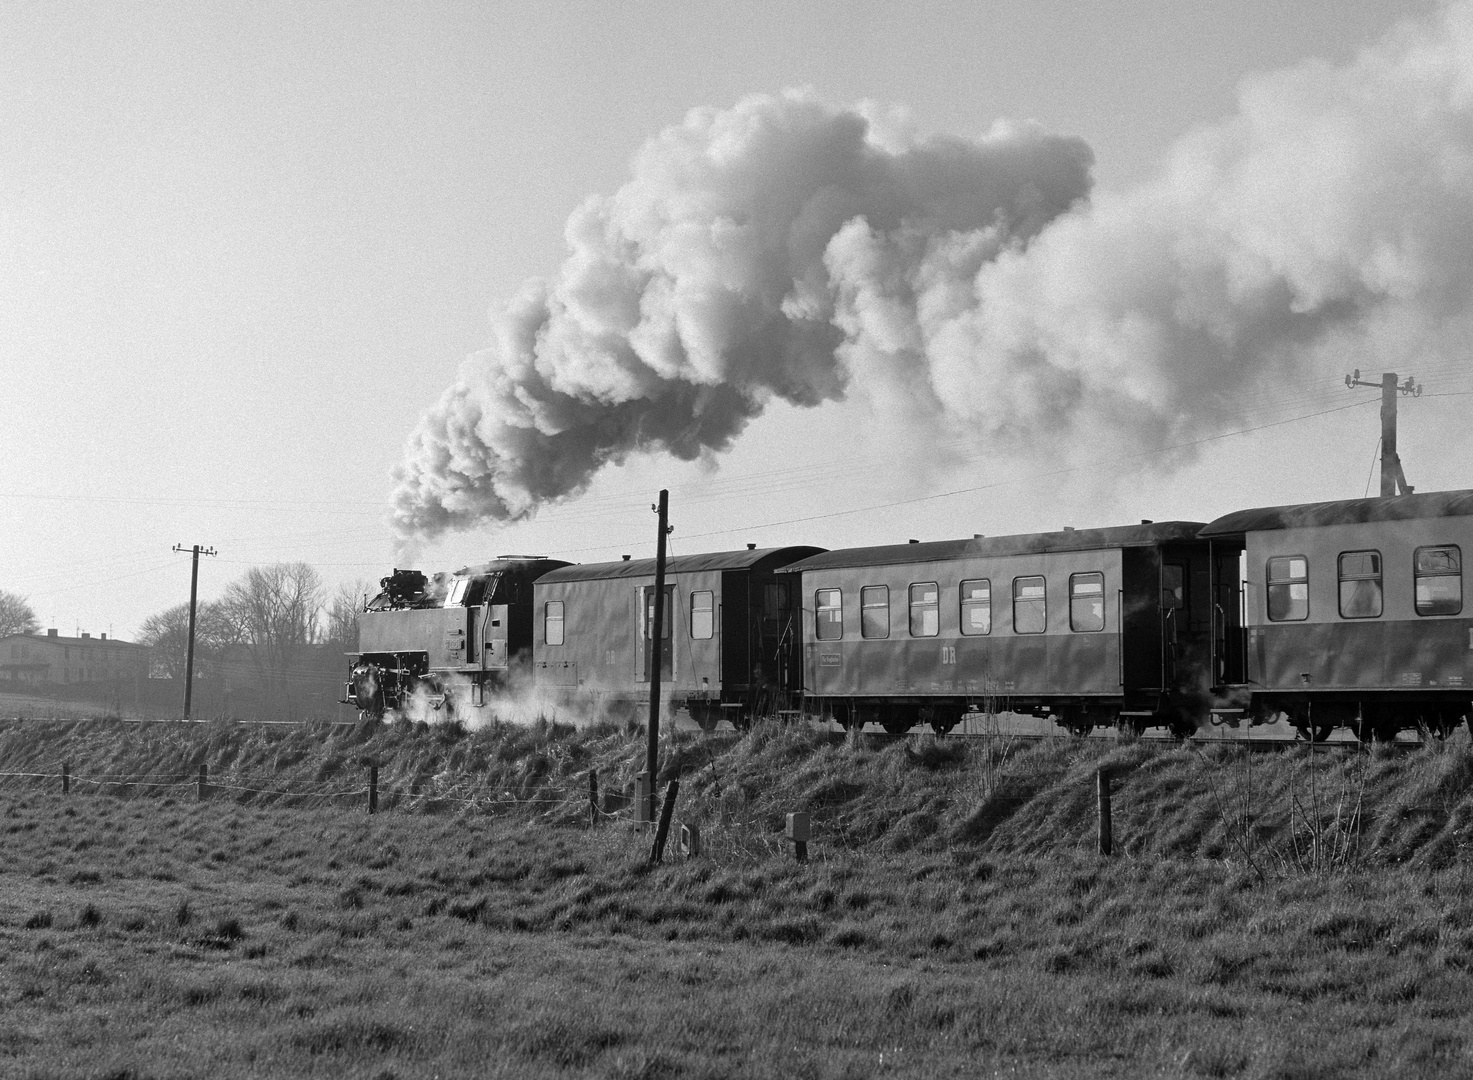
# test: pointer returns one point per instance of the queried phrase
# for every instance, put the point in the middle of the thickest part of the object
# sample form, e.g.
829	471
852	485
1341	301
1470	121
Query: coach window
1439	581
552	622
1360	585
702	610
1086	602
1030	605
1288	588
925	609
829	605
874	611
976	606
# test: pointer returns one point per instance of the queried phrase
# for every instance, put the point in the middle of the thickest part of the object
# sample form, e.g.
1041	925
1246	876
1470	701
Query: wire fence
721	816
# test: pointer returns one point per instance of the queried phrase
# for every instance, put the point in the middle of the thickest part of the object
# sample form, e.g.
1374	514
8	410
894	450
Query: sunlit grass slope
1280	915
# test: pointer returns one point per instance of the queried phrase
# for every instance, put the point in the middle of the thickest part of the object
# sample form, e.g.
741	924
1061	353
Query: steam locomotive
1345	613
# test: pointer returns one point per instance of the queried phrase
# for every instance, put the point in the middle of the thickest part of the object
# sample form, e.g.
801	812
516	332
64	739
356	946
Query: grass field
1279	916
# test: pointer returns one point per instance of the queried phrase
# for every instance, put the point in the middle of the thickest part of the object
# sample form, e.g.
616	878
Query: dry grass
945	927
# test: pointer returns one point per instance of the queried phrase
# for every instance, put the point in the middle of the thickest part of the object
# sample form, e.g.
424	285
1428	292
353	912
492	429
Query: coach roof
750	559
1430	504
1120	536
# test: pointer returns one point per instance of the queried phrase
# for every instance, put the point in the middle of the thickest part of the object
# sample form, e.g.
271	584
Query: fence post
1102	795
373	789
66	778
658	851
592	798
203	782
797	834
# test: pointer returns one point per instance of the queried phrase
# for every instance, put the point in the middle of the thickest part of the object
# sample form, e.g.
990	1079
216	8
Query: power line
1040	476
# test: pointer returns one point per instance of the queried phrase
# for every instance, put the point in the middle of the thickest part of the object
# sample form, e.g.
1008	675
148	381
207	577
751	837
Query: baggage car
729	648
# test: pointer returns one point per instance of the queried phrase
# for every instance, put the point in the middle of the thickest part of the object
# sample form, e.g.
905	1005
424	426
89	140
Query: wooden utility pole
1392	478
193	597
657	633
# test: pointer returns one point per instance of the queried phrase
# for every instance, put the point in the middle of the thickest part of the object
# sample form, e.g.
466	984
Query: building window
874	611
702	614
1030	605
1360	584
829	606
1288	588
925	609
552	622
1086	603
1439	573
976	609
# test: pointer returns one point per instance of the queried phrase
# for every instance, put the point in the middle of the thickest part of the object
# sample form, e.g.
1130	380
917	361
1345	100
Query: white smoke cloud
699	292
787	249
1328	224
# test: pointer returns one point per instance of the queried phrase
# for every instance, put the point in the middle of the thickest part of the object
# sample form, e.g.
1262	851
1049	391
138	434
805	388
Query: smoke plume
788	249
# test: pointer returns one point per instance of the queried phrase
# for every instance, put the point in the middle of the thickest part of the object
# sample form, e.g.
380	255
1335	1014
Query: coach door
1187	628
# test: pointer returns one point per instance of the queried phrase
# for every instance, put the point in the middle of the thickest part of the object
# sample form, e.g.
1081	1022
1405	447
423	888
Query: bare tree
342	614
168	634
275	611
16	616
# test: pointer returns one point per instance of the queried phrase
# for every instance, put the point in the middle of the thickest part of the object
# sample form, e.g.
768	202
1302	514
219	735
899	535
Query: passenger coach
1355	612
1127	625
730	643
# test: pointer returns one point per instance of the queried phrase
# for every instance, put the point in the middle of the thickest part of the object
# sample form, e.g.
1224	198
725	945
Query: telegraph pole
657	633
193	596
1392	478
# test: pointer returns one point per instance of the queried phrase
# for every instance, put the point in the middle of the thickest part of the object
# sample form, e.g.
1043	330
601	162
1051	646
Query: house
56	660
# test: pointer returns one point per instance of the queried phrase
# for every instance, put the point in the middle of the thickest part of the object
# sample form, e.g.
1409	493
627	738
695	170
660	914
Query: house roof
1147	534
58	639
1430	504
759	558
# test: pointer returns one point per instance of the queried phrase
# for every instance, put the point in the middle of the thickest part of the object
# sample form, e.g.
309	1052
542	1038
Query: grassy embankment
1280	915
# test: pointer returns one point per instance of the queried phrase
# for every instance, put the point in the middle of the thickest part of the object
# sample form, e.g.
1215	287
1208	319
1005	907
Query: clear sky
244	248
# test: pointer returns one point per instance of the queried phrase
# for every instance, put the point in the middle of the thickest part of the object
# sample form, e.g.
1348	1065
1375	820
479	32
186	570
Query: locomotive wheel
1182	727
